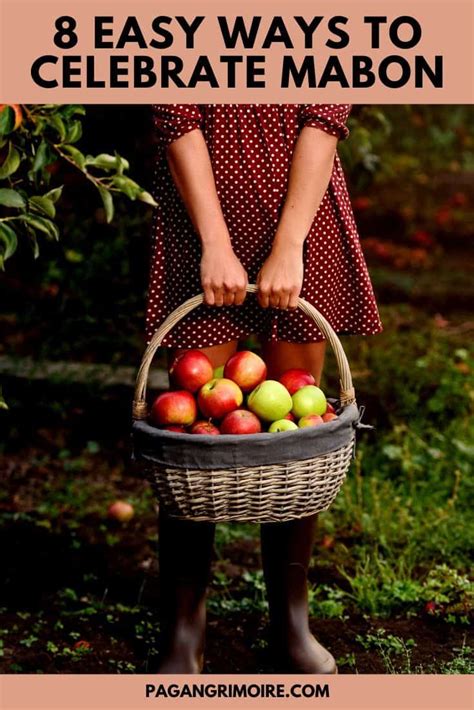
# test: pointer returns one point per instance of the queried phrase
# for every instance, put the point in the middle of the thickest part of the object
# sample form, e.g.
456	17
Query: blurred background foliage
390	588
410	173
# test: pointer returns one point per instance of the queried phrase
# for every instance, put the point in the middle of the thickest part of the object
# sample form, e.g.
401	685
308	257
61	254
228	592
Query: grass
396	654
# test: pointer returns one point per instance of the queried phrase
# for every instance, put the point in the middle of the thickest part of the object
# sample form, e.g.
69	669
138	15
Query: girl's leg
217	354
185	556
287	549
283	356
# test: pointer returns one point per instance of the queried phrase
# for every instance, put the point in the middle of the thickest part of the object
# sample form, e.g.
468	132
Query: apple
295	379
241	421
330	409
327	542
308	400
219	397
246	369
281	425
176	428
174	408
191	370
121	511
329	416
219	372
290	417
270	401
310	420
431	607
204	427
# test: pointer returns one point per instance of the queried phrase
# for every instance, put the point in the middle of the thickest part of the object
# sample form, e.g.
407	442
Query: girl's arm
281	277
223	277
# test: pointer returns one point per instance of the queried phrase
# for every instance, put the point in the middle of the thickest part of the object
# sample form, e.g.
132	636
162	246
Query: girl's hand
223	277
281	278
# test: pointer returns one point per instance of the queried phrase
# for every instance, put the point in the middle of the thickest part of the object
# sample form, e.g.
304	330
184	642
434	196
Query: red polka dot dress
251	146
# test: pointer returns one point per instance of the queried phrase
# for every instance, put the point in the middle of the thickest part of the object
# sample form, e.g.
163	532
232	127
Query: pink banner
115	51
132	692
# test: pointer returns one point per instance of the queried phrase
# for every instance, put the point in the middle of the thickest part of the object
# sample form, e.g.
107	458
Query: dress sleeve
330	118
175	120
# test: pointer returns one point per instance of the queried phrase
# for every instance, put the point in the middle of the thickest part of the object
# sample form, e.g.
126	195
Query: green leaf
11	198
74	132
104	161
7	120
76	156
145	196
34	241
69	110
54	194
3	404
43	157
107	202
11	162
126	185
58	124
8	241
122	164
43	205
42	224
73	256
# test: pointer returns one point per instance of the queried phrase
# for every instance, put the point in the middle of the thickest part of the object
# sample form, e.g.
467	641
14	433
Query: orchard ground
389	591
389	580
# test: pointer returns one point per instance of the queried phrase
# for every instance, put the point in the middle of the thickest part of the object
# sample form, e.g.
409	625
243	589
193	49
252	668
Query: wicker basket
258	478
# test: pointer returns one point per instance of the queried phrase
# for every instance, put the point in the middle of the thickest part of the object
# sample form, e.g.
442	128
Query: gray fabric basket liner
190	451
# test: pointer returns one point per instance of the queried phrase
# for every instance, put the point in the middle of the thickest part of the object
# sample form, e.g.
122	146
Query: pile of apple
207	401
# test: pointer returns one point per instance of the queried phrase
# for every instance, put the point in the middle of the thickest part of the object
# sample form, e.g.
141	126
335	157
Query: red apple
329	416
310	420
191	370
290	417
121	511
434	608
174	408
241	421
327	542
204	427
175	427
294	379
246	369
330	409
219	397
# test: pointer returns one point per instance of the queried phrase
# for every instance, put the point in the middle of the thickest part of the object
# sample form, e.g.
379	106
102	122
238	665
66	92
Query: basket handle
140	410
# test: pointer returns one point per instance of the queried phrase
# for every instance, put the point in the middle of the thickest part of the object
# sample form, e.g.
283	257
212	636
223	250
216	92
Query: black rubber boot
185	556
286	554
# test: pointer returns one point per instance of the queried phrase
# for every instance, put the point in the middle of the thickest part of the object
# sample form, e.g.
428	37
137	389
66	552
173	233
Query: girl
252	193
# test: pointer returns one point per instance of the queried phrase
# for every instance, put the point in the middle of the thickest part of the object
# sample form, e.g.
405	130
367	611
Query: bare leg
287	549
283	356
217	354
185	555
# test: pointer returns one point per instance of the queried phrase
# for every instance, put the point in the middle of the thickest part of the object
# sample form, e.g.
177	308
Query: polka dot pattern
251	146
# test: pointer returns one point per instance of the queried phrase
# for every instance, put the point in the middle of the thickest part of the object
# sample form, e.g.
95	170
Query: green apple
308	400
270	401
282	425
219	372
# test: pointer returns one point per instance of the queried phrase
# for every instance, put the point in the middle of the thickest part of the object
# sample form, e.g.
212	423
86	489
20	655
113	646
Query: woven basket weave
266	492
